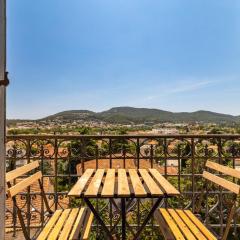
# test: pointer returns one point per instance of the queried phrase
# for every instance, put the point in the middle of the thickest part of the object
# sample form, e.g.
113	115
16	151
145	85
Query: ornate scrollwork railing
179	158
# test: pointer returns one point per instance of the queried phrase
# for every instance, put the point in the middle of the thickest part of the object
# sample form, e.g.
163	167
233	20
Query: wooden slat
136	183
60	223
94	185
21	171
151	184
81	183
222	182
78	224
164	183
23	184
191	225
164	228
109	183
123	187
200	225
223	169
88	227
172	225
51	223
182	226
69	224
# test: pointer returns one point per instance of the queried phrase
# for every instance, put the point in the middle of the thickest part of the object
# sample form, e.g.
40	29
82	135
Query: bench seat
181	225
63	224
67	224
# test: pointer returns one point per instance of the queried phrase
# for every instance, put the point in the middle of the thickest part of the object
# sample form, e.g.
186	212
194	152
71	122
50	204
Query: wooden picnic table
123	184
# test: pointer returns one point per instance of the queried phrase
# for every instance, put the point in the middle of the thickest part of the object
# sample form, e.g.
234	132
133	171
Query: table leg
96	215
155	206
123	206
127	205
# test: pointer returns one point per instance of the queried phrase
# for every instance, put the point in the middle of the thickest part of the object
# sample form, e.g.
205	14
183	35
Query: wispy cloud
189	87
181	86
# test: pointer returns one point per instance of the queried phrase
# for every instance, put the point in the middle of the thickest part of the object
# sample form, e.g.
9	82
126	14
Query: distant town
128	120
77	127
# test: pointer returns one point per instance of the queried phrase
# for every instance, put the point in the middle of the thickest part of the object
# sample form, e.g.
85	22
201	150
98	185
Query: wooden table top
118	183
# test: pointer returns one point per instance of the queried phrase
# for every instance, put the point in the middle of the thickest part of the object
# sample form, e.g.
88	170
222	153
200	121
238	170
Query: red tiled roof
129	163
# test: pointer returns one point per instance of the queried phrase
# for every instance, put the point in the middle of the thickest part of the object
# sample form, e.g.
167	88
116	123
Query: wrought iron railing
180	158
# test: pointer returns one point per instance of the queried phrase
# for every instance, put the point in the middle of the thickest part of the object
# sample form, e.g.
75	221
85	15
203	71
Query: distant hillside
71	115
127	115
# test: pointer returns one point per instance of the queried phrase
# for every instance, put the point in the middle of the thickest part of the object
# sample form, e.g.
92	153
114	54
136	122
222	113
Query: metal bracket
5	81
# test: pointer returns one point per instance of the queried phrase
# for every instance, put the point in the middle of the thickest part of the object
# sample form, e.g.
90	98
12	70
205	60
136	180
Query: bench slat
60	223
181	224
94	185
78	224
191	225
87	229
222	182
164	183
223	169
21	171
123	186
109	183
51	223
152	186
81	183
172	225
12	191
200	225
138	188
69	224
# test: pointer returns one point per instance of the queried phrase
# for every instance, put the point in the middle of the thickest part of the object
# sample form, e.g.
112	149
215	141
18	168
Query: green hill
142	115
71	115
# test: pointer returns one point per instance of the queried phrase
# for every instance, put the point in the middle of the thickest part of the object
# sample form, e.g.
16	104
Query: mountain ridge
127	115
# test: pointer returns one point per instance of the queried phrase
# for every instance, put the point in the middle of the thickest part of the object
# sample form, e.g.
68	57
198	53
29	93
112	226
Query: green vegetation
128	115
122	130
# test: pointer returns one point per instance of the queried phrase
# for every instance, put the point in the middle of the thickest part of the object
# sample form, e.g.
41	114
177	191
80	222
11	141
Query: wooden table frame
128	184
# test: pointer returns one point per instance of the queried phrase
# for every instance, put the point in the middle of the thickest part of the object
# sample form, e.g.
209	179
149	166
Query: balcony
179	158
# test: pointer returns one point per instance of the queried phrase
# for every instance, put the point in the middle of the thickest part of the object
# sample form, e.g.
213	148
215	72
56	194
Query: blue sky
90	54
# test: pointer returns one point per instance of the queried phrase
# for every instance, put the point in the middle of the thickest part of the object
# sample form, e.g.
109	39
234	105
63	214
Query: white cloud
189	87
180	86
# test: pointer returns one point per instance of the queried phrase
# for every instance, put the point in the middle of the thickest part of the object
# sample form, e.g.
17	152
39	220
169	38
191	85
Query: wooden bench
183	224
63	224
